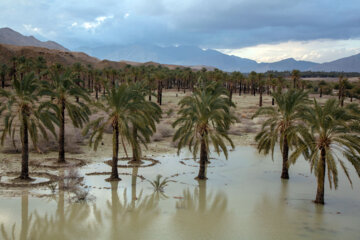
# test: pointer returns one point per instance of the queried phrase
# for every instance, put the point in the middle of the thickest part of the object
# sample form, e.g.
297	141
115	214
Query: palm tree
333	135
295	75
252	78
3	72
40	64
77	68
61	89
322	84
281	84
143	130
22	105
281	125
123	111
261	83
204	118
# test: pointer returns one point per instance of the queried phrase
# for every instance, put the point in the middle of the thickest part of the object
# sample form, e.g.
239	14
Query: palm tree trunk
2	81
321	92
25	149
285	155
203	160
134	146
61	158
89	82
261	98
114	166
321	178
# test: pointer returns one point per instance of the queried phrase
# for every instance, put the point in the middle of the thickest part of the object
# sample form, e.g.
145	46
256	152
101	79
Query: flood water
243	198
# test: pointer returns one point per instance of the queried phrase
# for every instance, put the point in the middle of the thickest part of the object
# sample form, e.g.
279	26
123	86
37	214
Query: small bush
170	112
166	130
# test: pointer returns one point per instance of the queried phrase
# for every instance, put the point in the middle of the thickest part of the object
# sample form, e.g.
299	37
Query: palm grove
37	97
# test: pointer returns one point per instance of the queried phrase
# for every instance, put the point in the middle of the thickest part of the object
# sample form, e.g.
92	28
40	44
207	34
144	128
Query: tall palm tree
123	110
281	125
22	106
333	135
204	119
61	89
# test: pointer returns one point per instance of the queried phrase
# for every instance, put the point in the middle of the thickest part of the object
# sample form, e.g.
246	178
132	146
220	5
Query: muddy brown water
243	198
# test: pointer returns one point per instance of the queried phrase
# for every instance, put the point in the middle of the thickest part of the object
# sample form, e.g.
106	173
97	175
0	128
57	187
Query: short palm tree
281	125
24	113
123	111
204	119
62	89
333	135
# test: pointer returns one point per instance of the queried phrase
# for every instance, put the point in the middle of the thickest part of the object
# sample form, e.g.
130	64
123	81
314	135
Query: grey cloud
211	23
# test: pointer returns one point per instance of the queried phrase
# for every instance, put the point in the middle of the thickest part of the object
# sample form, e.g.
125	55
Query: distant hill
190	55
182	55
7	52
348	64
51	55
172	57
286	65
9	36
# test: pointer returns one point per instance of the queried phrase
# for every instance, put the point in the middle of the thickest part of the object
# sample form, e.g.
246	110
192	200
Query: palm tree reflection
130	219
200	212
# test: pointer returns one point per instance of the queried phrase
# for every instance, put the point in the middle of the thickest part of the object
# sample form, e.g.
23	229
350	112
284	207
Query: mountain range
9	36
190	55
185	56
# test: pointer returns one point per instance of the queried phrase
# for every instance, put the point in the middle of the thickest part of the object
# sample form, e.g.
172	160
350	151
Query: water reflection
26	220
130	219
69	221
199	213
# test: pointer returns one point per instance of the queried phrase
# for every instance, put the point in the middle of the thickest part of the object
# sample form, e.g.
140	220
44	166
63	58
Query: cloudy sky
263	30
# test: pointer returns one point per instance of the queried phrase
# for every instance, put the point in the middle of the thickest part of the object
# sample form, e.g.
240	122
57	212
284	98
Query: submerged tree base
113	179
285	177
136	162
23	179
130	164
200	178
27	181
52	163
